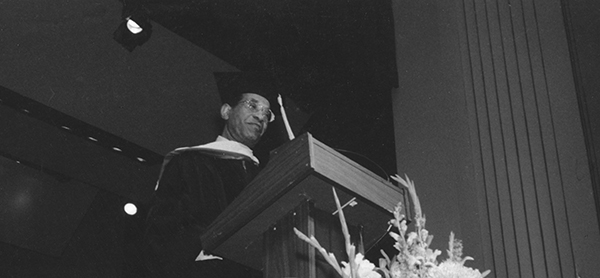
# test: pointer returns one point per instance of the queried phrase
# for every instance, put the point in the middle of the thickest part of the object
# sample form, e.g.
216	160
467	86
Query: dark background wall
581	18
84	123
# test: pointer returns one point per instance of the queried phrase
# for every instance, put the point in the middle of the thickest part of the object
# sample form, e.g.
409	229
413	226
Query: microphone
285	119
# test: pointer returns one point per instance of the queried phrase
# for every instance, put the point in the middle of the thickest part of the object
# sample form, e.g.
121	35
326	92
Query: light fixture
135	29
130	209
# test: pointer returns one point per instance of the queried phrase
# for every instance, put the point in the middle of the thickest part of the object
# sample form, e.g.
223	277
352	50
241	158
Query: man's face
242	123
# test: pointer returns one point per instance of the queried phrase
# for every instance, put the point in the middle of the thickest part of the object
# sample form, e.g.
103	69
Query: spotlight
130	209
135	29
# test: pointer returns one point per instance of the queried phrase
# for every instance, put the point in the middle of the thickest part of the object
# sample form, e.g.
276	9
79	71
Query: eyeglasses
255	107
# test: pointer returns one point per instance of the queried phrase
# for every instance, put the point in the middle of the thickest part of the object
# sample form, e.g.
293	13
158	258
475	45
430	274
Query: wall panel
488	124
514	138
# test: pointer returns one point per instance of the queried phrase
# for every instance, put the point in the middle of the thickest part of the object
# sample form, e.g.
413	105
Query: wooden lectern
294	190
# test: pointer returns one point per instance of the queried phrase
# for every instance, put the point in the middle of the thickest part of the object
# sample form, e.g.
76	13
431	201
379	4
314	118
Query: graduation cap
232	85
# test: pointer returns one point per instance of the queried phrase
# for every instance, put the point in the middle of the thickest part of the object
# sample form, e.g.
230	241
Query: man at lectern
197	183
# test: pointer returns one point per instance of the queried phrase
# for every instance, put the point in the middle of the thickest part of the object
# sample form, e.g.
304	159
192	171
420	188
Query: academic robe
195	187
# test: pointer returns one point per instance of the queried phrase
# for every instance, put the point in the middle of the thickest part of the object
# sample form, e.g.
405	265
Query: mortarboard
233	84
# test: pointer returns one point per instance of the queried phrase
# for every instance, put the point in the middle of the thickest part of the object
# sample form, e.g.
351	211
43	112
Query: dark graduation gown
195	186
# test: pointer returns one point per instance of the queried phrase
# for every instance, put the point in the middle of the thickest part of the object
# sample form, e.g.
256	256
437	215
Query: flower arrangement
414	259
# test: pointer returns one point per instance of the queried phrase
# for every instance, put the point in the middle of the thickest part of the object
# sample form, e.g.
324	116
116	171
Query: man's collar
224	144
220	144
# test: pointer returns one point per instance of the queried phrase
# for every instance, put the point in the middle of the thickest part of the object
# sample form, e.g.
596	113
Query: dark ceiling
334	58
311	42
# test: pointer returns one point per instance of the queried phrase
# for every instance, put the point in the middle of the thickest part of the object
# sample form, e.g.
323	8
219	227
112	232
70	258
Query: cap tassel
285	119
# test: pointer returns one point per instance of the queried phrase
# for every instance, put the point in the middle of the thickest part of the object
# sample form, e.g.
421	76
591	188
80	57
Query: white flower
365	268
414	258
411	238
452	269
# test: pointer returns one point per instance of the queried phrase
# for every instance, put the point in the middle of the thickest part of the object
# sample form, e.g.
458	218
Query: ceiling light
135	29
130	209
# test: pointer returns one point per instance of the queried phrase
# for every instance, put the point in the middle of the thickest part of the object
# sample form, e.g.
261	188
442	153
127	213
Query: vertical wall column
487	124
525	131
